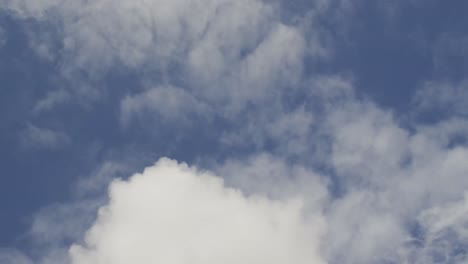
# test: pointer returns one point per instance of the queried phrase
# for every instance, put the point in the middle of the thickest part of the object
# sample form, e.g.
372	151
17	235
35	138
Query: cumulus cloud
172	213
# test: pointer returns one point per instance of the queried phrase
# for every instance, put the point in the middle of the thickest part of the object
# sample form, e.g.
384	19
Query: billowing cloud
172	213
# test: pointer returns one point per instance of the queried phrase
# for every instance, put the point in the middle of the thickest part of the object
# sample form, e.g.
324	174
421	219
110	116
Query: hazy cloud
169	103
446	98
42	138
8	255
3	37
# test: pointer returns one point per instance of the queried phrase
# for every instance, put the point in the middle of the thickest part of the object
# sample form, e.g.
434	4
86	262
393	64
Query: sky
246	131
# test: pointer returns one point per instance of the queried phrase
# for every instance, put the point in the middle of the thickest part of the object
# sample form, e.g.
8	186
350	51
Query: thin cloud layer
33	137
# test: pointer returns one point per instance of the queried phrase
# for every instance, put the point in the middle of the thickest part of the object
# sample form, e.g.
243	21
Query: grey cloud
9	255
446	233
3	37
170	103
390	177
42	138
446	97
52	98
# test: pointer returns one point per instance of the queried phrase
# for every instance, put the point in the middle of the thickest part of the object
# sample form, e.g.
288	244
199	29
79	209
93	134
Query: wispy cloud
33	137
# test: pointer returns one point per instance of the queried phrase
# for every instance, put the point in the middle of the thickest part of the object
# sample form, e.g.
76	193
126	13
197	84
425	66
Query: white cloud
388	177
229	53
273	177
172	213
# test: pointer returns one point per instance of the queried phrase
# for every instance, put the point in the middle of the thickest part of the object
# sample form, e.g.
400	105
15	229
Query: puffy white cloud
172	213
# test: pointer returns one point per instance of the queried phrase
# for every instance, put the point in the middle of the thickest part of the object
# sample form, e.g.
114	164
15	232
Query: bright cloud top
173	214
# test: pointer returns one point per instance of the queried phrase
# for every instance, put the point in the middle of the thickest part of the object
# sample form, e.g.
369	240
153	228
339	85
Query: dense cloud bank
324	174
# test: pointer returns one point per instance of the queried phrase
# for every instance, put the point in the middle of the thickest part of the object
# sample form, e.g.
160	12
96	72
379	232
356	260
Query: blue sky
356	108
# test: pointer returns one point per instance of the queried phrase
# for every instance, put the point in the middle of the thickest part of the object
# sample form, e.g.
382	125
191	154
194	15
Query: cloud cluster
330	177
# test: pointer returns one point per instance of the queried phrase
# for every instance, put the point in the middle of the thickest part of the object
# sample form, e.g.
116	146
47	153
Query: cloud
388	177
42	138
446	233
8	255
228	53
170	103
450	52
447	98
52	98
363	178
273	177
172	213
3	37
